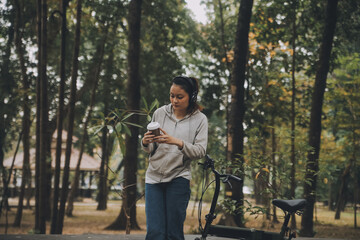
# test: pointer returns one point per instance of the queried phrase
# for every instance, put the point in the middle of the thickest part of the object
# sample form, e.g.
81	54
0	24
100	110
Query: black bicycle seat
290	206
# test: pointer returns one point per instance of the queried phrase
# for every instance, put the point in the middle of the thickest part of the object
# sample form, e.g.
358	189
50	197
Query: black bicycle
288	206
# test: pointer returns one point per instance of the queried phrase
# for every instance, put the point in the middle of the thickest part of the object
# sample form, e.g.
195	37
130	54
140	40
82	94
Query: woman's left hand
166	138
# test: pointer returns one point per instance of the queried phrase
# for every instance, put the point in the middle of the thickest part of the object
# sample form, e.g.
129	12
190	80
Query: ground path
109	237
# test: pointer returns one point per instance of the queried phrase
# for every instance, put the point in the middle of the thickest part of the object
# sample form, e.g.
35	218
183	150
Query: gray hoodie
166	161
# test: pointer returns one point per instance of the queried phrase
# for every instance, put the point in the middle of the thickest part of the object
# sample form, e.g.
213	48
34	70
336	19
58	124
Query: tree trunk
356	191
38	115
237	112
355	173
102	195
43	122
60	117
26	117
341	196
330	196
228	67
274	168
75	183
103	191
86	87
6	82
257	187
72	100
49	175
353	159
128	209
312	165
89	81
293	113
3	170
266	178
7	178
29	191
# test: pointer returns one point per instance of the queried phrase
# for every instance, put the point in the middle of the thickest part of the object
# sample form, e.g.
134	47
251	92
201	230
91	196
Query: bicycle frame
209	163
288	206
211	215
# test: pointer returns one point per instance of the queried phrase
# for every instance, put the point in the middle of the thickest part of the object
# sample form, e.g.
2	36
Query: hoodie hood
169	112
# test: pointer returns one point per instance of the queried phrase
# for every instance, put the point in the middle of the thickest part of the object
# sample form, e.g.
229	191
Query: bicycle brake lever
226	180
204	165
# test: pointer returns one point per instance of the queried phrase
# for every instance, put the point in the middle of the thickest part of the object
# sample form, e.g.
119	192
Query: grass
88	220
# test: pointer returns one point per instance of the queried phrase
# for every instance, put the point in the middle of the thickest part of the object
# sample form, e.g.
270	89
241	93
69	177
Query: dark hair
191	87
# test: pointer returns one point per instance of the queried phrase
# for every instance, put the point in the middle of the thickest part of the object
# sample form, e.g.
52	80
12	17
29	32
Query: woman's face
179	98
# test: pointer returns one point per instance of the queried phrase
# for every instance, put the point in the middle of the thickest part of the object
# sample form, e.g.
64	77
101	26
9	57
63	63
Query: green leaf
109	119
127	116
121	142
98	129
118	127
117	113
133	124
127	130
145	103
154	104
102	116
122	145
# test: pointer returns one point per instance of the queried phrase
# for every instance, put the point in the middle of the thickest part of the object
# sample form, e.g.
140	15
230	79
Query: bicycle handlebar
209	163
235	178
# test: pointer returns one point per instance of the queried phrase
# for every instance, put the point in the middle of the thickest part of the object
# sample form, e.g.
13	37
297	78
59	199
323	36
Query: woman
184	138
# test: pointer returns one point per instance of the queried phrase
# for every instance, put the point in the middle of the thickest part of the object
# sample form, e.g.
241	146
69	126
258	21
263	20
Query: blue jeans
165	207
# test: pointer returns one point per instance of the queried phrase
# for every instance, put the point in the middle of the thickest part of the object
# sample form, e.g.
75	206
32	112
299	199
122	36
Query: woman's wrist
180	144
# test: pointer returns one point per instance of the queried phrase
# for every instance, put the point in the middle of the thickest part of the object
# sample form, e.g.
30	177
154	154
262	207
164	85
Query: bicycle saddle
290	206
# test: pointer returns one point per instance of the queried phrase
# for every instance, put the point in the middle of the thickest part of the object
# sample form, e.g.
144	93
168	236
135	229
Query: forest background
277	78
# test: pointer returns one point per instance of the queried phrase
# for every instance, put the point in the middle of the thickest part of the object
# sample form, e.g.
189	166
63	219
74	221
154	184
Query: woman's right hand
148	138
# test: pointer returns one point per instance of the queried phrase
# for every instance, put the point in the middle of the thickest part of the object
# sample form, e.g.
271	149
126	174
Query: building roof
88	163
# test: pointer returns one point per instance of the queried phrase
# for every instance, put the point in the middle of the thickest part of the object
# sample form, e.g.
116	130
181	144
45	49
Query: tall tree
74	75
274	164
293	112
96	74
43	82
102	194
312	164
84	137
343	99
60	116
7	85
228	67
26	110
38	115
237	108
341	200
102	186
128	209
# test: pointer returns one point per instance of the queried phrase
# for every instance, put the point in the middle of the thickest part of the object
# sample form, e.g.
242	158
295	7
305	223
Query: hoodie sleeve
150	147
198	149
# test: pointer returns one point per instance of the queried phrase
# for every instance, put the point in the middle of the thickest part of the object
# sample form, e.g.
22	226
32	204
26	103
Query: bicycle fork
211	215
